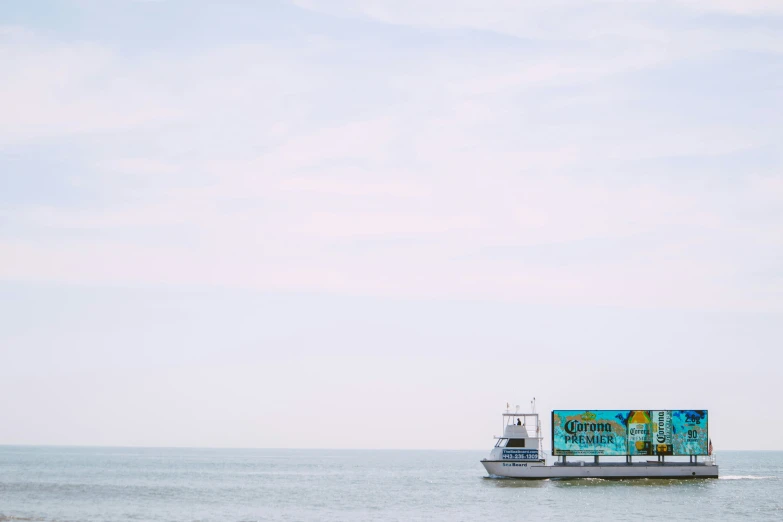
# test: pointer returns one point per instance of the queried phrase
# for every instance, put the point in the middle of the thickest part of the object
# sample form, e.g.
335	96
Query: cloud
50	89
556	171
741	7
531	19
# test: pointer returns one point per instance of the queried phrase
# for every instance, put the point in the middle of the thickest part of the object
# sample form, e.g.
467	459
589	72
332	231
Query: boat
519	454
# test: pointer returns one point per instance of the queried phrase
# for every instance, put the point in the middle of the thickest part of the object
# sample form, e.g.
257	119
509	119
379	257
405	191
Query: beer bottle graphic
662	432
639	433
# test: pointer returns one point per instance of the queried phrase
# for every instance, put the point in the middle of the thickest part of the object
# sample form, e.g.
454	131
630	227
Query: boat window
501	443
516	443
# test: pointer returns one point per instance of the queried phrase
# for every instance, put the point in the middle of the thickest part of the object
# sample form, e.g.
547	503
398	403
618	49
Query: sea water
165	484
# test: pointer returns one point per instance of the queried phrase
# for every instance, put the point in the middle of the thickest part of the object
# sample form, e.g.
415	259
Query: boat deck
648	463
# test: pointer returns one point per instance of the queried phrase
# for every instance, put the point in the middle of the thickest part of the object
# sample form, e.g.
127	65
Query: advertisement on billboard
689	432
589	432
639	433
662	432
629	432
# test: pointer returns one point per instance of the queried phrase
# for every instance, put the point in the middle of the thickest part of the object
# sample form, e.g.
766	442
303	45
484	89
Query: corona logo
574	426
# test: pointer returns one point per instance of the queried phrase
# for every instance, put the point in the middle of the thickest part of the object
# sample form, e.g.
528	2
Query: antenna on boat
533	405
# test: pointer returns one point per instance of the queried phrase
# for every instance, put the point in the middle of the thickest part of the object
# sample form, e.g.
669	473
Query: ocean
167	484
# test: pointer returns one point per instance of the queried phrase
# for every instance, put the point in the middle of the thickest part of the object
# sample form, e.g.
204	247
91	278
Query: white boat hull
637	470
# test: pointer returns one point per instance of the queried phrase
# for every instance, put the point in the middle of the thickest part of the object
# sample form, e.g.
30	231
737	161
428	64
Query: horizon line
5	445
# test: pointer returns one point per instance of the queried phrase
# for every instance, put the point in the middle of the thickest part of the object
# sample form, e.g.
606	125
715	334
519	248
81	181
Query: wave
745	477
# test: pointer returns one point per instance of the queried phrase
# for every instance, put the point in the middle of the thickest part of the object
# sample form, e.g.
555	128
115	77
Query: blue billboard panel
589	432
629	432
689	432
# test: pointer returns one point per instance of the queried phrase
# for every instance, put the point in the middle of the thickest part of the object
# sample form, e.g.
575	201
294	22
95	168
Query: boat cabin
516	436
521	439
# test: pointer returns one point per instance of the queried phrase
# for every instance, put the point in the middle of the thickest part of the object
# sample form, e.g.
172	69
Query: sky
371	224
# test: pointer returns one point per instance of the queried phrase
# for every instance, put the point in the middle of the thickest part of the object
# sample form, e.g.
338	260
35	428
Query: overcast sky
370	224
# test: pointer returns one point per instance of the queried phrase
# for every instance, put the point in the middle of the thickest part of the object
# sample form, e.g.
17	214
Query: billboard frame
628	454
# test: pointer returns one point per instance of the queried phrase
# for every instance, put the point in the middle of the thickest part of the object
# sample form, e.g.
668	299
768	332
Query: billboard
629	432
